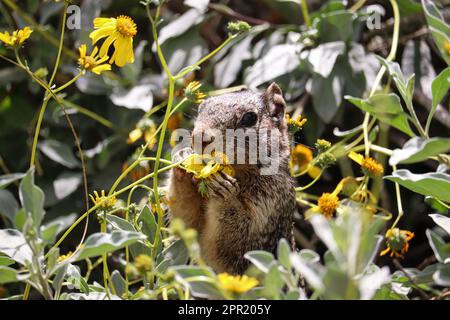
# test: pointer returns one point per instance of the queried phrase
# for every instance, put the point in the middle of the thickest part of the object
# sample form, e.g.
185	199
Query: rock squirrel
249	211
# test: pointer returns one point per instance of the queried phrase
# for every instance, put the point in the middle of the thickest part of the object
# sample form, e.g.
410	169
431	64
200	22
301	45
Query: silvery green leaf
66	184
8	205
260	259
14	245
419	149
7	179
369	283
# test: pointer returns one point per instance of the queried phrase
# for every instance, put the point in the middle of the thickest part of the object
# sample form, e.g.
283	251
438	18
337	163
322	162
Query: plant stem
305	13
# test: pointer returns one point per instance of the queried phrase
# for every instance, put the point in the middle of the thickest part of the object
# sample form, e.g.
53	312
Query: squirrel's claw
222	185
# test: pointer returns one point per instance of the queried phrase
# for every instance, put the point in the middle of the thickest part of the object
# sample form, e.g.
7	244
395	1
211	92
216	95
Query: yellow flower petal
134	135
358	158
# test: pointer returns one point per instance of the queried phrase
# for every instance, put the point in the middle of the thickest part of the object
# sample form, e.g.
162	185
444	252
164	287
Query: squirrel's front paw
221	185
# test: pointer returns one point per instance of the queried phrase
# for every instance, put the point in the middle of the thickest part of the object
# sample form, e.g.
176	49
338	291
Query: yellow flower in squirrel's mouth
16	38
93	62
214	163
119	31
397	242
236	284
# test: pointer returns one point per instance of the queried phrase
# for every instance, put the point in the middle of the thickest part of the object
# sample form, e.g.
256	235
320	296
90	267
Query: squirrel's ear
273	97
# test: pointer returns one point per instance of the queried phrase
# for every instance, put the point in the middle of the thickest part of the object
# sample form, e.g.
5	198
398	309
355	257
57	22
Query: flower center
327	204
126	26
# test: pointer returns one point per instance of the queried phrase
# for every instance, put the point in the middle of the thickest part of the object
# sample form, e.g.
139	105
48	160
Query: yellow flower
296	124
143	263
64	256
17	38
397	242
236	284
93	63
447	46
369	165
145	128
218	162
103	200
301	157
119	31
327	203
192	92
322	145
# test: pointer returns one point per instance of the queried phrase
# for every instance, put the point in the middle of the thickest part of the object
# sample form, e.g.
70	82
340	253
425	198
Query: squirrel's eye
249	119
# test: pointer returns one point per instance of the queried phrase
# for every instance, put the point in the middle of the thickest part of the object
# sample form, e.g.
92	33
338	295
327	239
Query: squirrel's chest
210	234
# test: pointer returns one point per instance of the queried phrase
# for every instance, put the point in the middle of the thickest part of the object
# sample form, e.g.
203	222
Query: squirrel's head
245	114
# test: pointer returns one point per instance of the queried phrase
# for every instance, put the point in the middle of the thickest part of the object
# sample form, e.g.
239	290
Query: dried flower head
397	242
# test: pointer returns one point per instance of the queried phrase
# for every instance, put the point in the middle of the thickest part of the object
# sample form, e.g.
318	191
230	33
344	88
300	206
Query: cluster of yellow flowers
296	124
119	32
17	38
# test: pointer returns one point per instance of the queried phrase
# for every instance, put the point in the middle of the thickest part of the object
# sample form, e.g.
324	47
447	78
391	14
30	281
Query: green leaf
121	224
428	184
439	28
204	285
323	58
404	86
66	184
441	39
32	198
386	108
336	26
442	275
147	222
59	153
439	88
440	248
260	259
5	261
102	243
419	149
118	282
7	179
283	253
339	285
273	282
7	275
180	25
279	60
305	263
50	230
441	221
175	254
8	205
14	245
